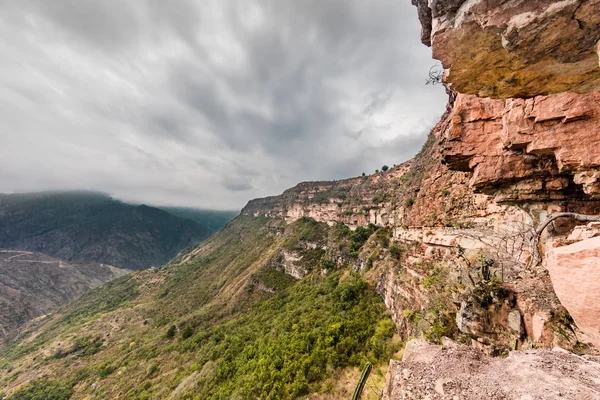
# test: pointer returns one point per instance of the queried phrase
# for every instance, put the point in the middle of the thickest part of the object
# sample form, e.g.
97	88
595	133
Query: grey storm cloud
208	103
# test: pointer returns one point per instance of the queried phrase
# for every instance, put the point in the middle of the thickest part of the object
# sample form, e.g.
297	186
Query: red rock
543	142
575	274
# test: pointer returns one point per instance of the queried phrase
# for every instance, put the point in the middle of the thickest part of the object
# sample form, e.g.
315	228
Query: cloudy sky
208	103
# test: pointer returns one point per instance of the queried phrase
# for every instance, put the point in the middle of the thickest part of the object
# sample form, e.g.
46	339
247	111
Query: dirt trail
459	372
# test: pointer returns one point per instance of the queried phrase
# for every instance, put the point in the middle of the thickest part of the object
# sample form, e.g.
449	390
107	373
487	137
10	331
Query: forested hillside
222	320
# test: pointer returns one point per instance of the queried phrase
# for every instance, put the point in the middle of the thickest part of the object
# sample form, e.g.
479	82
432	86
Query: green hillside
222	320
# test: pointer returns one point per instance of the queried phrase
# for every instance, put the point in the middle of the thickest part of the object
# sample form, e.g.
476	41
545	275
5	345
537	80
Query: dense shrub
287	345
358	237
171	332
187	332
395	251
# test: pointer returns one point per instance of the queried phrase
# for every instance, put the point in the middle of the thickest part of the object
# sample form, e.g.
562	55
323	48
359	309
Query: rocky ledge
459	372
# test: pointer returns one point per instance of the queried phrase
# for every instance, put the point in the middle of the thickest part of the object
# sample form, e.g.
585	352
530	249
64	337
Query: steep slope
223	320
454	249
92	227
33	284
450	229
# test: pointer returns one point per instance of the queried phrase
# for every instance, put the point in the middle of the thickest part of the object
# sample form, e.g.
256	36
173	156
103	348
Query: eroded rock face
575	273
431	209
528	149
458	372
356	201
514	48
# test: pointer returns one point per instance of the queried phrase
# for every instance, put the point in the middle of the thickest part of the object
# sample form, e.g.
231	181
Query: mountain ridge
93	227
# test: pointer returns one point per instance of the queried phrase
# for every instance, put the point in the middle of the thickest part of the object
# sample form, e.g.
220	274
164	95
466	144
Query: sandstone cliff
433	210
514	48
491	172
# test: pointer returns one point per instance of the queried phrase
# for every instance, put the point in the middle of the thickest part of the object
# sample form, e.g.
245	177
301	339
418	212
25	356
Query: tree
551	218
385	168
436	74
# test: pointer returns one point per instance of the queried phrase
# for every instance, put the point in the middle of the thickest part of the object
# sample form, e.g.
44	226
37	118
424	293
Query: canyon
452	241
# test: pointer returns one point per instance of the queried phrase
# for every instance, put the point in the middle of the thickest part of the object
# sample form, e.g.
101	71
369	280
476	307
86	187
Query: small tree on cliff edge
385	168
436	73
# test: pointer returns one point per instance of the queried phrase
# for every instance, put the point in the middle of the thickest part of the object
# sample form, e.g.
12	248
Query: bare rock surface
355	201
575	274
459	372
514	48
527	149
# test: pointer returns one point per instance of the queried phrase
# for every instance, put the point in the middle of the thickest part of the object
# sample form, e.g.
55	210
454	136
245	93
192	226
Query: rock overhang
514	48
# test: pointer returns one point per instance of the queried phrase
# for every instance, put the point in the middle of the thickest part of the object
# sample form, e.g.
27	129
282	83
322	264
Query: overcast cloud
208	103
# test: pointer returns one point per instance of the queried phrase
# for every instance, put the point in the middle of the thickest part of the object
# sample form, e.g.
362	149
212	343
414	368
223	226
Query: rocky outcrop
458	372
530	137
575	273
432	210
534	149
356	201
289	262
514	48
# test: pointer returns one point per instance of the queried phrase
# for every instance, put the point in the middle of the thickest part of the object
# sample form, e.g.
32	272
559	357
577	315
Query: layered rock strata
533	143
432	211
528	149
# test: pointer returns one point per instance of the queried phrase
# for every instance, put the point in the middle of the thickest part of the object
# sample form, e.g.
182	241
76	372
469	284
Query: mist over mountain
93	227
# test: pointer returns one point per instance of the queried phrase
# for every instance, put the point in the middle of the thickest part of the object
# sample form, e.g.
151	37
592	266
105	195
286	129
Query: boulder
575	273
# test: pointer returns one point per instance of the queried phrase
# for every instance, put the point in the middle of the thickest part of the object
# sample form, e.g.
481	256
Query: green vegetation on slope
286	346
44	390
204	326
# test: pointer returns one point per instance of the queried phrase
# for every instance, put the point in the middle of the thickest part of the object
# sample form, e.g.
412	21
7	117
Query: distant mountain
93	227
210	220
34	284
